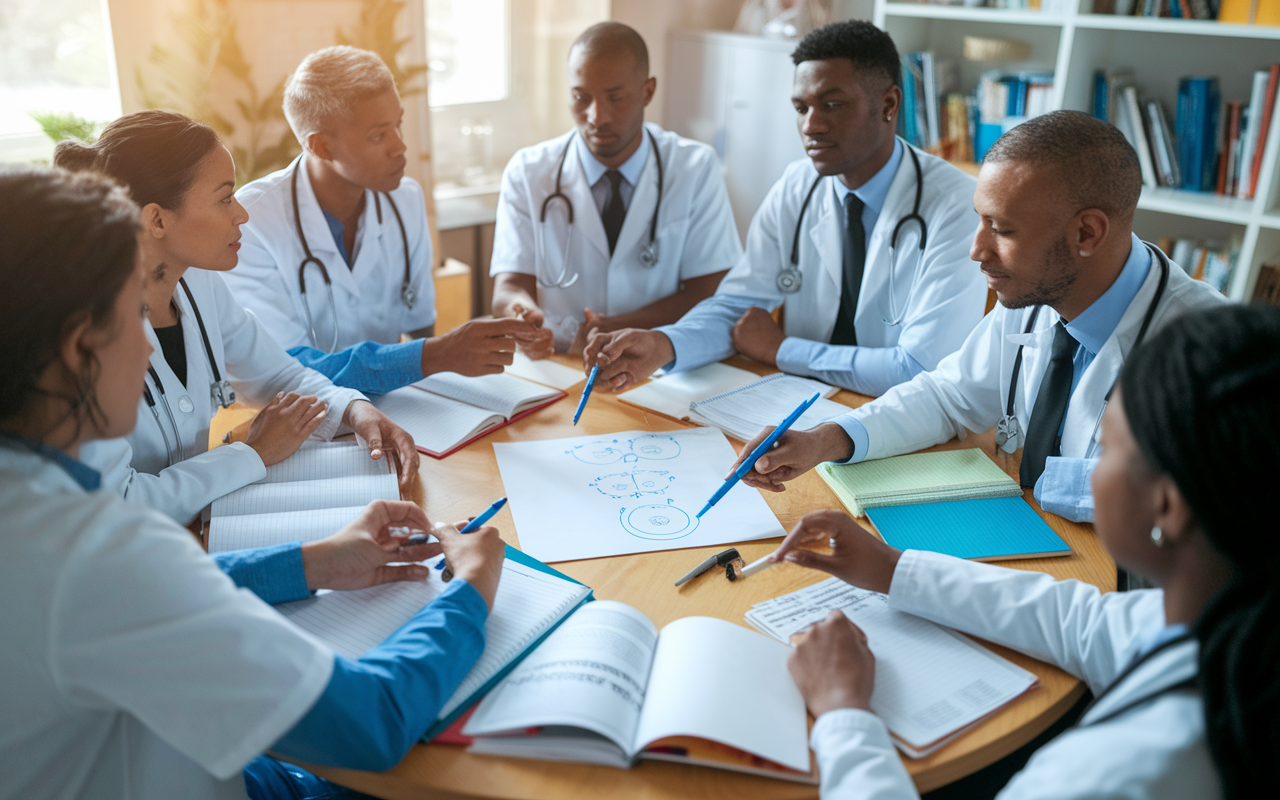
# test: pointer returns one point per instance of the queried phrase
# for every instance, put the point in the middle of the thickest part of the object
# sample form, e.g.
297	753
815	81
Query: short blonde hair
328	83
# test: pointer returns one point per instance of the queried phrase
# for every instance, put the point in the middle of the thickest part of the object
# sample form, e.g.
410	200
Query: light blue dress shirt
594	171
704	332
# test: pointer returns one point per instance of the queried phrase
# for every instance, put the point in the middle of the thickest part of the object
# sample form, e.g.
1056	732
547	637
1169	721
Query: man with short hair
1077	290
864	244
336	257
615	224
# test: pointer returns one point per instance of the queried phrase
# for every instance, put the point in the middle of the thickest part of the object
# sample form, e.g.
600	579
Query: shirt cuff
680	340
795	355
856	757
858	433
1065	488
275	574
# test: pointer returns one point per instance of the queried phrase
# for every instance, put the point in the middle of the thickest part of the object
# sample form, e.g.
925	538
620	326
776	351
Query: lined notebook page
918	478
671	395
318	460
265	498
503	394
353	622
436	423
243	531
742	412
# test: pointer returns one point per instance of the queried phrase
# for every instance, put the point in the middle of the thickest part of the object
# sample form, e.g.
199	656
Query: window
54	56
467	51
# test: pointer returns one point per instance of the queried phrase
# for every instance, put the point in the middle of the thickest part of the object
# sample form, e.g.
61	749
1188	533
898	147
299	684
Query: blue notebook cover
529	561
986	530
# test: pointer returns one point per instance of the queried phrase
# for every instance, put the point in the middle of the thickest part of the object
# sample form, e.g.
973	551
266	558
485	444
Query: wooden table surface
464	483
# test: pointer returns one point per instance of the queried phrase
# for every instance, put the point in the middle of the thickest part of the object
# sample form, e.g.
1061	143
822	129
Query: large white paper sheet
629	492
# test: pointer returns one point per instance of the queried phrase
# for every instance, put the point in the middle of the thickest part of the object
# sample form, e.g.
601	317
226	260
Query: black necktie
614	212
855	261
1051	404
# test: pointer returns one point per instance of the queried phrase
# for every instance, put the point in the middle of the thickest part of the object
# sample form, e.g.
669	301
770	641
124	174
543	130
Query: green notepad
918	478
992	529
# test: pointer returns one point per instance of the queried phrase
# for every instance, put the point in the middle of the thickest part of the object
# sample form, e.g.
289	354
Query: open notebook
932	684
671	395
532	600
308	496
608	688
446	411
743	411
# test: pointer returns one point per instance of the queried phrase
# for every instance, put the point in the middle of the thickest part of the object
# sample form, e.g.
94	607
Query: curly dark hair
870	49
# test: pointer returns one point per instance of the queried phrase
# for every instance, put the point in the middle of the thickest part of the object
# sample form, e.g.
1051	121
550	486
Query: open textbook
446	411
743	411
607	688
532	599
932	684
308	496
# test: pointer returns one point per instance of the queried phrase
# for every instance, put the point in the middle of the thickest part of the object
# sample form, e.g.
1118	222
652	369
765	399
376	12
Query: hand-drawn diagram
652	521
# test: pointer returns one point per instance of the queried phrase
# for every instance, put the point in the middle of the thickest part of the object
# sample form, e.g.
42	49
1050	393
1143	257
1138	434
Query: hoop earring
1157	536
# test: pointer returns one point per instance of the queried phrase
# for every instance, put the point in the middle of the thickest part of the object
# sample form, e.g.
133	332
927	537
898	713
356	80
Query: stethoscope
1184	685
648	253
1007	428
220	390
790	279
407	295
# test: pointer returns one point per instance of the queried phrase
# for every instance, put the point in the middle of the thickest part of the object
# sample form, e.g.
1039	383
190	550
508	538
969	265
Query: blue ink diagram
639	480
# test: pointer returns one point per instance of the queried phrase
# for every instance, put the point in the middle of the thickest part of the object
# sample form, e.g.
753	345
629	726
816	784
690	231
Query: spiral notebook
918	478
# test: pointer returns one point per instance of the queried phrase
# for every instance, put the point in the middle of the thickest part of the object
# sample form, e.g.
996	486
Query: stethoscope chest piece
789	280
221	393
409	296
1007	433
649	255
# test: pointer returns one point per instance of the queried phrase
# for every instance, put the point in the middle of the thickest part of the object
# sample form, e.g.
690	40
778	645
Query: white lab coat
695	234
137	466
969	390
938	295
1154	749
367	297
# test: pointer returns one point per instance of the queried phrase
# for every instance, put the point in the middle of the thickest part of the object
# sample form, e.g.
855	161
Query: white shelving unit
1160	52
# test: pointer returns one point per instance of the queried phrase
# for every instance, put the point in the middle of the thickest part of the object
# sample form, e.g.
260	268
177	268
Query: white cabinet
734	93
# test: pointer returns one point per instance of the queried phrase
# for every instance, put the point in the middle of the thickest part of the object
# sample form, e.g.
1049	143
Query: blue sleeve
274	574
705	334
867	370
1065	487
367	367
375	708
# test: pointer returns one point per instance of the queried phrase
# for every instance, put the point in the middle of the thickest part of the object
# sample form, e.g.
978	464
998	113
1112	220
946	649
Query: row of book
1243	12
1047	6
1209	147
1267	289
1208	261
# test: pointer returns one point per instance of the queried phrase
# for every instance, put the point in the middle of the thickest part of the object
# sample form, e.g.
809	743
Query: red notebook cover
488	431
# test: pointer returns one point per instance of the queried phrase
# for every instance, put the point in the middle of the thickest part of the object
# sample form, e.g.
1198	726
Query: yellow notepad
918	478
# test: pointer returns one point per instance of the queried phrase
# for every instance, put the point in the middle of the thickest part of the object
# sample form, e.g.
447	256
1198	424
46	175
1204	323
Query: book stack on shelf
1267	289
1047	6
942	128
1208	261
1244	12
1003	100
1209	147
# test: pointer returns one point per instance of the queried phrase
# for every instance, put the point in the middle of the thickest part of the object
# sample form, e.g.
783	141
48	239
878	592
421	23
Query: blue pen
760	450
586	392
470	527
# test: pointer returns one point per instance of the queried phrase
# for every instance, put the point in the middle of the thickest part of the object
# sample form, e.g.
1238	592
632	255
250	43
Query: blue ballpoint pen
760	450
586	392
470	527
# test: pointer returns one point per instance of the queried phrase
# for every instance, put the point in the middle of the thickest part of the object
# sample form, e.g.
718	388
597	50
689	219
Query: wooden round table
464	483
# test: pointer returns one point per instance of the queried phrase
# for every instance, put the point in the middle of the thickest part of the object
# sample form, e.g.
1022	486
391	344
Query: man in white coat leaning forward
864	244
616	224
1077	290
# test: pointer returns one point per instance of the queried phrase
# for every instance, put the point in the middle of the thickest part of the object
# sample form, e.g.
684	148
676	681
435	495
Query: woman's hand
833	667
857	556
361	554
283	425
475	557
378	431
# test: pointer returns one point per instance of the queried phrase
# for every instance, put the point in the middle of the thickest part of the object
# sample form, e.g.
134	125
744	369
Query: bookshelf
1074	43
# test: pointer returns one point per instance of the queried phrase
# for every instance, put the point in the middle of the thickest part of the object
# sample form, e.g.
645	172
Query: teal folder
991	529
533	563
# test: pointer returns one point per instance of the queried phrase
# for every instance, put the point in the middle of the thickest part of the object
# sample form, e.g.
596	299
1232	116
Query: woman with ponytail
1185	677
209	351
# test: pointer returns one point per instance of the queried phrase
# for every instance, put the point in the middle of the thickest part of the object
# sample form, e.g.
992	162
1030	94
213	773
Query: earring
1157	536
1085	254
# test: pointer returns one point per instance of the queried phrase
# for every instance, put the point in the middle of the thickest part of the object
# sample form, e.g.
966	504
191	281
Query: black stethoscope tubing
914	216
1189	683
559	194
151	403
407	295
1142	331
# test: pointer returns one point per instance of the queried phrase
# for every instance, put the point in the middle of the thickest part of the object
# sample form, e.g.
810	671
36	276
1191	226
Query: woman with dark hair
1187	694
132	667
209	352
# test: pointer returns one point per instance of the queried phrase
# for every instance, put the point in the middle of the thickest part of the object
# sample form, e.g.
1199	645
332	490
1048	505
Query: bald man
616	224
1078	291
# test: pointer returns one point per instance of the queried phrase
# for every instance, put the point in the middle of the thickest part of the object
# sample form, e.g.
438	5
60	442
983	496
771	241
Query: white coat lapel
1174	665
320	239
897	204
586	217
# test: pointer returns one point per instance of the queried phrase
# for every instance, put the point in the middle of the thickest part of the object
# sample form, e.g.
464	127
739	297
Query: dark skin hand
794	454
756	335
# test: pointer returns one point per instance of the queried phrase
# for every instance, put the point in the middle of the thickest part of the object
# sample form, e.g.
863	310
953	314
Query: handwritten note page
628	492
591	673
931	682
742	412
